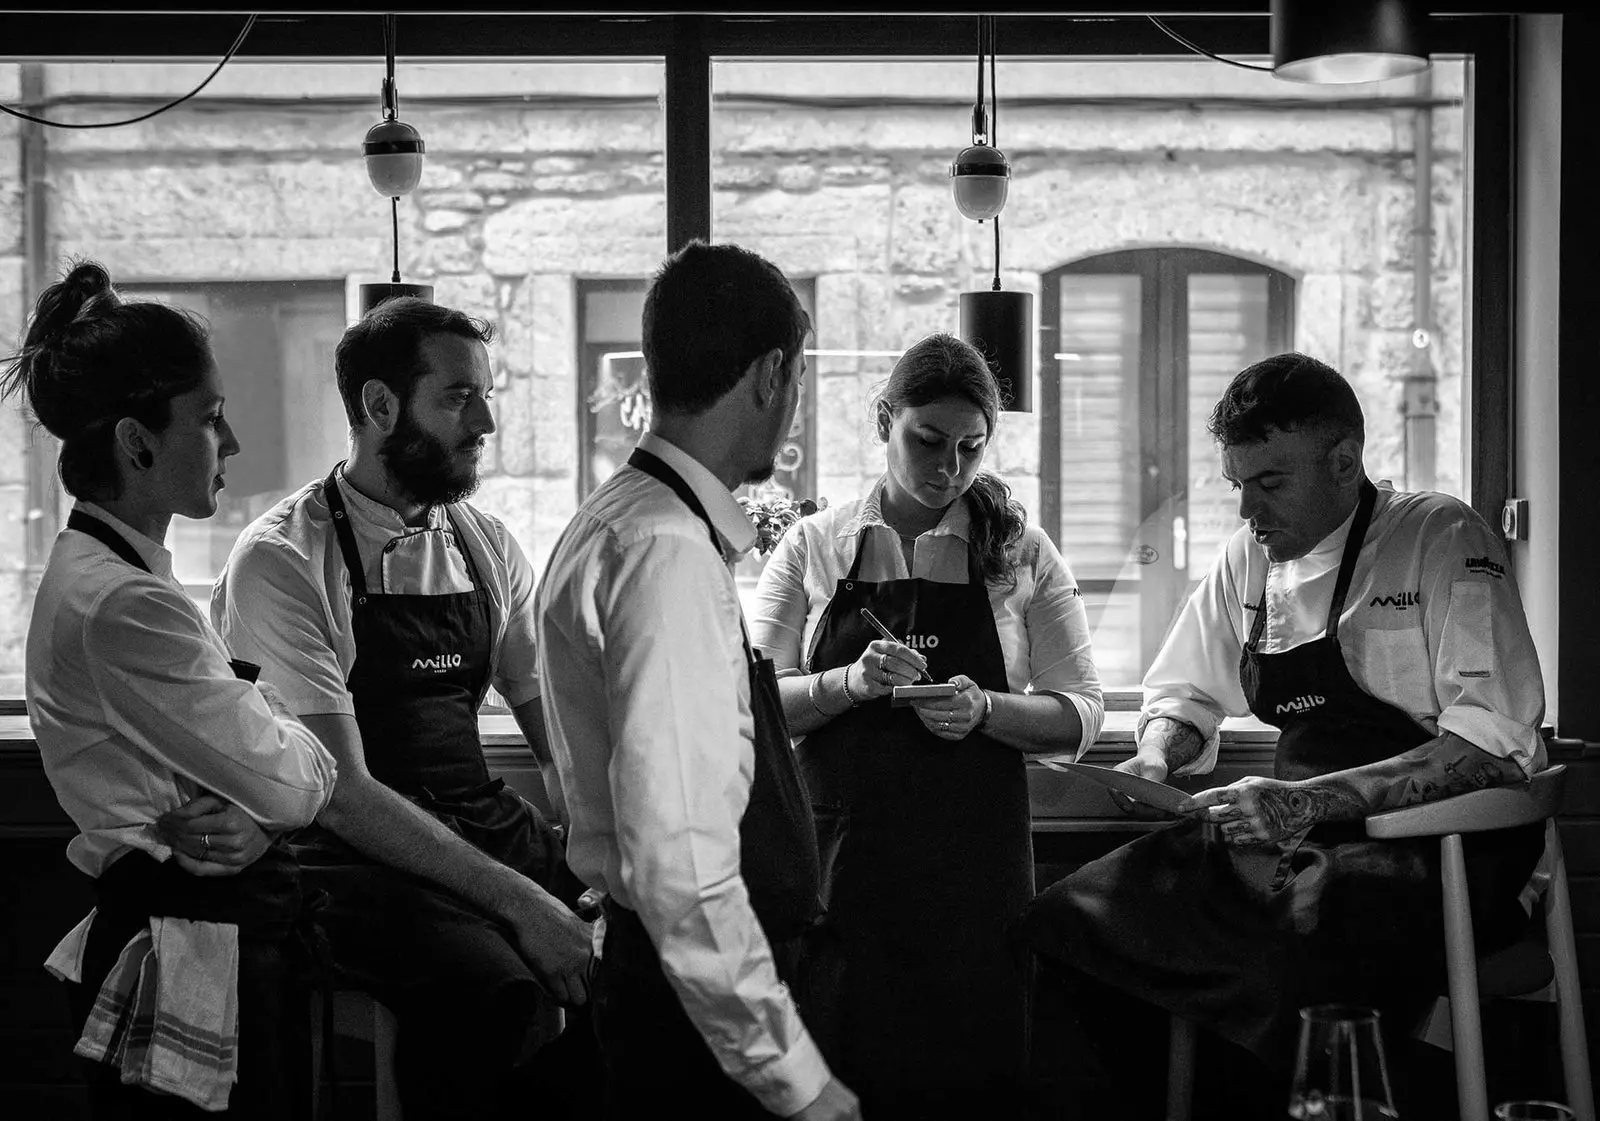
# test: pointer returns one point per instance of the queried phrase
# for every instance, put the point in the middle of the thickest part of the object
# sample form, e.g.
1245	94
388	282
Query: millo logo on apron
1304	703
922	641
438	664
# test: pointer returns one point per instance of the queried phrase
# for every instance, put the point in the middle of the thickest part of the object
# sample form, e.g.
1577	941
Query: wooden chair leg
1569	996
1462	966
386	1091
1180	1068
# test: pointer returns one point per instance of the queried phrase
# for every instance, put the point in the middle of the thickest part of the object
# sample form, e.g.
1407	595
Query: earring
145	459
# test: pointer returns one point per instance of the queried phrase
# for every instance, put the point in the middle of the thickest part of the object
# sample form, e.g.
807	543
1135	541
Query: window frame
689	42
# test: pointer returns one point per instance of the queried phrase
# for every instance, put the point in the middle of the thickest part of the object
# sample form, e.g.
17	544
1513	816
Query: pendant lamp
1348	41
999	324
393	152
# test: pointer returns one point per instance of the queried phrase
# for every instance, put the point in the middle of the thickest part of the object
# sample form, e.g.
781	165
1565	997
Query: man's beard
423	468
762	474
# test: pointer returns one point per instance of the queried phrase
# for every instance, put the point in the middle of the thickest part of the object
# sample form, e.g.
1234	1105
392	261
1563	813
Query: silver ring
883	664
205	845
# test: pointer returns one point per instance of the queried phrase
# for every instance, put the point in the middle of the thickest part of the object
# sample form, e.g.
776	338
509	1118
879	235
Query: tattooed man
1381	632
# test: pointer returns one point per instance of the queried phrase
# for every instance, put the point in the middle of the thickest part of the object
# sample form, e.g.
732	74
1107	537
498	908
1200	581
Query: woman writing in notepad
175	770
922	810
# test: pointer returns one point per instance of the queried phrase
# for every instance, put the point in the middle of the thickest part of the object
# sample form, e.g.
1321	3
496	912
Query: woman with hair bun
177	770
922	810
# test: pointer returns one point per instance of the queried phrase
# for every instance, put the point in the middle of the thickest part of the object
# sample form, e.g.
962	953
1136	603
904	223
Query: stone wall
524	196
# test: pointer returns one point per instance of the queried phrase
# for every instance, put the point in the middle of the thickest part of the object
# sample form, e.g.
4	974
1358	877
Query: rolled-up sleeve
1194	678
681	761
516	661
270	611
1060	658
166	687
1486	674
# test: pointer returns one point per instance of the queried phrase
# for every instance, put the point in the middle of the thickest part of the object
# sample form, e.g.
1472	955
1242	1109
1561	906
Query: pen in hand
886	633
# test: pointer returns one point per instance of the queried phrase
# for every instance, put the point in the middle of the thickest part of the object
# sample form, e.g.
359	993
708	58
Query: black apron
466	1001
655	1058
420	674
1239	939
928	860
276	941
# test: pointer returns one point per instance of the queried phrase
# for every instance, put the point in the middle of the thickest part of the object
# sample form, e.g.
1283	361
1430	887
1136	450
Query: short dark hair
1287	392
386	344
88	360
710	312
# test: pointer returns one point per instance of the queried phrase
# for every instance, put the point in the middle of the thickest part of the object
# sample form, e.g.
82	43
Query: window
1176	220
274	347
1150	193
535	175
1144	343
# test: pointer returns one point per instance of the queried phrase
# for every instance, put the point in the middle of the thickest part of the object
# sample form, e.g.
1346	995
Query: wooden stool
1514	971
358	1016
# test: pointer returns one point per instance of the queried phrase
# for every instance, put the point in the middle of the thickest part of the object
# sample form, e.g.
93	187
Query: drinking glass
1340	1073
1532	1111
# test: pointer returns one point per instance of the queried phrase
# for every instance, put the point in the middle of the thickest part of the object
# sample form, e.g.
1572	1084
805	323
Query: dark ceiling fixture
393	151
999	324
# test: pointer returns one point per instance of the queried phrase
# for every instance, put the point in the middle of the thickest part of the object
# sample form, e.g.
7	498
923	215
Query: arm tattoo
1441	768
1289	809
1180	743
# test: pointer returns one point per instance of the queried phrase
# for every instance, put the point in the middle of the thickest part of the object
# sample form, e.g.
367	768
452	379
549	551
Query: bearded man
382	606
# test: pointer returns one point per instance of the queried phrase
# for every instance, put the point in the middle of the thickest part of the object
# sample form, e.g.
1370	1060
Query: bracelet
812	694
848	695
988	707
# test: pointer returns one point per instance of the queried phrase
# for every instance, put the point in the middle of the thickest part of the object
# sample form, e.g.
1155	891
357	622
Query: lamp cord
394	210
994	131
1197	49
237	43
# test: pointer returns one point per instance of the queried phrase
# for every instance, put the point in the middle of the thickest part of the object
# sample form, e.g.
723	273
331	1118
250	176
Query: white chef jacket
283	599
136	710
1432	624
647	701
1041	621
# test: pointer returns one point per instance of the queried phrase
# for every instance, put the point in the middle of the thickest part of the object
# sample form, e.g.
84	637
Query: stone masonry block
1319	317
222	258
444	221
594	237
475	293
1391	301
925	230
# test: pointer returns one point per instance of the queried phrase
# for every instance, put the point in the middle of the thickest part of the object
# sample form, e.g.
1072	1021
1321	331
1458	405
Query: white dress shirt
283	599
136	710
647	701
1041	621
1432	624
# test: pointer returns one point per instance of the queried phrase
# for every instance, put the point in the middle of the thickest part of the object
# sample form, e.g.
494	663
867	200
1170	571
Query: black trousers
469	1007
656	1062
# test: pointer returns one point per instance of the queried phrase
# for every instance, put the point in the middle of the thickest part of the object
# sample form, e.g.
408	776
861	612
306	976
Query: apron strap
342	531
1352	549
110	538
653	465
1347	568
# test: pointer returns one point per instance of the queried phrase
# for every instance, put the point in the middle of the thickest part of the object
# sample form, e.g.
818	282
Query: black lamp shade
1000	325
374	294
1339	41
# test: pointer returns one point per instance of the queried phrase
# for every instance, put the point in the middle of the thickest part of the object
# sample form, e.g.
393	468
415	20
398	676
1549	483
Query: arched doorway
1136	347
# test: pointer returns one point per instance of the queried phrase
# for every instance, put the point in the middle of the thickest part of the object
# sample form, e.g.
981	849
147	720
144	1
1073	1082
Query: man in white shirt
1383	635
383	607
667	731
